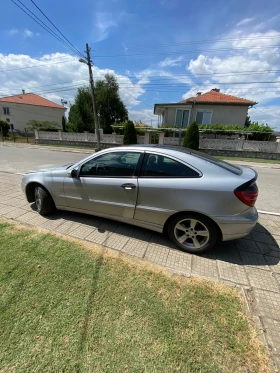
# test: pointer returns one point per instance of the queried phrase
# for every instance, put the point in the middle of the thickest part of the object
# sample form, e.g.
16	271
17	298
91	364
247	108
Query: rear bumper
237	226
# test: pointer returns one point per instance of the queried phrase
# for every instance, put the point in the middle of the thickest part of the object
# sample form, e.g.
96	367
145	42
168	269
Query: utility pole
93	97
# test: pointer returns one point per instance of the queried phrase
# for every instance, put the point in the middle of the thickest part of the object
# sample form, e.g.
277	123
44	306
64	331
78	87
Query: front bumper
237	226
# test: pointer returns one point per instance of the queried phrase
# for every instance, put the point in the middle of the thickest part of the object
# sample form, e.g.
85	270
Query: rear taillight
247	193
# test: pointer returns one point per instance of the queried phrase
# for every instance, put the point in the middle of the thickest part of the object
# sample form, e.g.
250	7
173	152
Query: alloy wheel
191	233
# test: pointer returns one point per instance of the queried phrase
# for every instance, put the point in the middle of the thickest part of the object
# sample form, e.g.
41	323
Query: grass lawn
256	160
69	308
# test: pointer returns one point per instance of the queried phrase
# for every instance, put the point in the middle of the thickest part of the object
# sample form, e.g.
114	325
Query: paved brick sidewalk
252	263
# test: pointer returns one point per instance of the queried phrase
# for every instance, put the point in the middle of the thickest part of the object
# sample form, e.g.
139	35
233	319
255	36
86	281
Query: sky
159	50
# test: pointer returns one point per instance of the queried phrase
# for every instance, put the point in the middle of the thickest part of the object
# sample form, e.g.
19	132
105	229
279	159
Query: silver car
197	199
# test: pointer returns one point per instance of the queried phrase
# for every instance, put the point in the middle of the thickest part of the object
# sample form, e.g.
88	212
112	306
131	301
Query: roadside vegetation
191	138
65	307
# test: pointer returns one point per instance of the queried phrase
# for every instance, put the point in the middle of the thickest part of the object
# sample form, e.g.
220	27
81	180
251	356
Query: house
212	107
19	109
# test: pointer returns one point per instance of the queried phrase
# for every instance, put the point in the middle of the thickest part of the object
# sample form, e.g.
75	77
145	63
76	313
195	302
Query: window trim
134	176
205	110
189	110
170	177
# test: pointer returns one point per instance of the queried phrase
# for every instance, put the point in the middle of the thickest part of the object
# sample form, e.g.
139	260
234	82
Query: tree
247	122
191	139
130	135
109	107
63	123
42	125
109	104
80	114
4	127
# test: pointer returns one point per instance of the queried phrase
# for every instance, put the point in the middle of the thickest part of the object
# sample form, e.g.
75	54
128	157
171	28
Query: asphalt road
20	160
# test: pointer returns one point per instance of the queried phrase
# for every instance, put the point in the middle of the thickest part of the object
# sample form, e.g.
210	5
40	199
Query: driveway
252	263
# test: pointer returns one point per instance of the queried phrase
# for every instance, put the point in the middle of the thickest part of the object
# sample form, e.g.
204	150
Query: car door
105	184
164	186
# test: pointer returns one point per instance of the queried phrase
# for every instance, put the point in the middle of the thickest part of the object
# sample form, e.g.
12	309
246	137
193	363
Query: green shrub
4	128
63	123
191	139
260	131
221	129
169	129
130	135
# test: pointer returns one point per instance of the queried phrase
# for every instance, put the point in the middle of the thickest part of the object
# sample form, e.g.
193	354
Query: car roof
183	150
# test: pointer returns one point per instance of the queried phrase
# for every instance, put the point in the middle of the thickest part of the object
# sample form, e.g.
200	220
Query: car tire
43	201
192	232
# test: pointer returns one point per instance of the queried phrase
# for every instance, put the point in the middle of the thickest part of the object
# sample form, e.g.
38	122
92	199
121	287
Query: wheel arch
30	190
178	214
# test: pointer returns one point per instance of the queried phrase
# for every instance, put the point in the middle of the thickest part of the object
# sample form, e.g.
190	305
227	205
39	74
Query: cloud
171	62
251	66
266	114
146	116
268	23
57	76
28	34
244	21
104	21
13	31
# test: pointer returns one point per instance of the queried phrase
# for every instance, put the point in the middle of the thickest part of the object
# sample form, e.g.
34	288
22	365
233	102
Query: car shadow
257	249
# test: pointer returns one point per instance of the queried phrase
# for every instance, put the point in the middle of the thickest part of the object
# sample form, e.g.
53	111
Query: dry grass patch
67	309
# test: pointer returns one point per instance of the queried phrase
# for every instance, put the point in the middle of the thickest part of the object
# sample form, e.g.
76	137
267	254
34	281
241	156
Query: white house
19	109
212	107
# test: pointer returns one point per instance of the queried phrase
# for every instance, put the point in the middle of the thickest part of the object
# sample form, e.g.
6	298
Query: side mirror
73	173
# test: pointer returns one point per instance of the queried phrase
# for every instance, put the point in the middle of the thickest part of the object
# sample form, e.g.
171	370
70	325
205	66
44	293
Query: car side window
160	166
115	164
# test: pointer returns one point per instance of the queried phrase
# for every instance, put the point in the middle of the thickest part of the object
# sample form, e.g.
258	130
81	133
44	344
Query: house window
182	118
203	116
6	111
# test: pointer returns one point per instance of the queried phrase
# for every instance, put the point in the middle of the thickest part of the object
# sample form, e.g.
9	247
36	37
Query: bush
169	129
221	129
261	132
191	139
130	135
63	123
4	128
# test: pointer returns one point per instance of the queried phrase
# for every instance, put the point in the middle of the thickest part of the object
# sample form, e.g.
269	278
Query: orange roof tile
31	99
214	97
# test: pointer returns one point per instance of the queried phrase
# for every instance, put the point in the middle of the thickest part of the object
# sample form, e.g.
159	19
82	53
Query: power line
57	29
187	52
42	24
206	84
191	43
232	73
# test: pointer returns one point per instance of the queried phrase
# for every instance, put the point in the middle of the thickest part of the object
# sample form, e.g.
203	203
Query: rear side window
160	166
227	166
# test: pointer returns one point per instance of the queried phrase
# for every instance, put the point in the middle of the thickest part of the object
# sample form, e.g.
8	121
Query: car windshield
218	162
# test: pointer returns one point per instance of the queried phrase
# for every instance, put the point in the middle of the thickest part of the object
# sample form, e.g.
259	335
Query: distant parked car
197	199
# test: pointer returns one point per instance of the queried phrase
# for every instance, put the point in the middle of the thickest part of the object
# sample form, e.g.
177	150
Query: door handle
128	186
